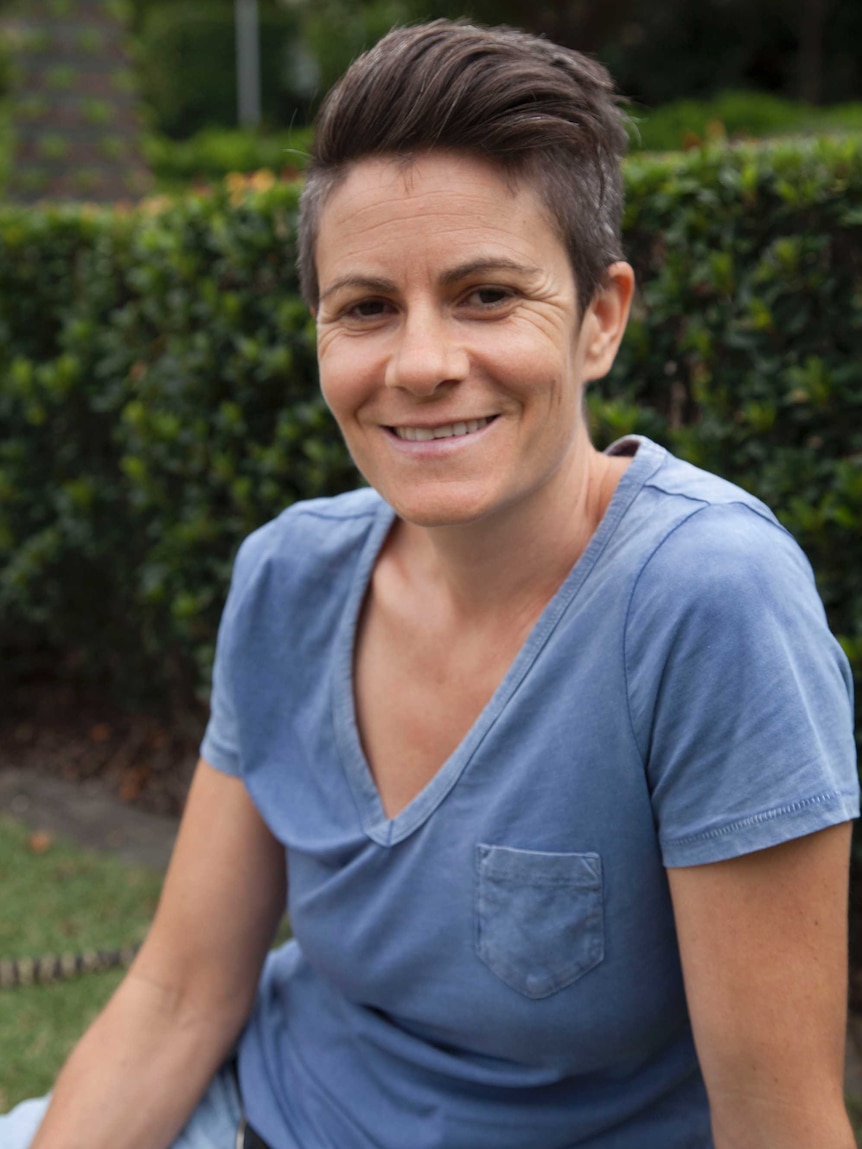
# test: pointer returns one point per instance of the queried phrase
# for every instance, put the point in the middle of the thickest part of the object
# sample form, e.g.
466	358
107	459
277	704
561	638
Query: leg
18	1128
213	1124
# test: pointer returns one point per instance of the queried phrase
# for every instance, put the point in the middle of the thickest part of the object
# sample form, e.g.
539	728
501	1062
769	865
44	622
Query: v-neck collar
375	823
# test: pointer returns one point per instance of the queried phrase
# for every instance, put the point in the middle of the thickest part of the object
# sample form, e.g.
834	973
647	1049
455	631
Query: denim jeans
213	1124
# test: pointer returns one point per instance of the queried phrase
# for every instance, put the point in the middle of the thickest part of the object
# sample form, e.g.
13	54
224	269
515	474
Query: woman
556	743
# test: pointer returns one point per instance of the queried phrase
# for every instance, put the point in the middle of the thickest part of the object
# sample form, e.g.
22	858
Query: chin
435	508
439	511
436	517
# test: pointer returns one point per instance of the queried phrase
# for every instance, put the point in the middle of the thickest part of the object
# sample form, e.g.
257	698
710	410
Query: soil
74	734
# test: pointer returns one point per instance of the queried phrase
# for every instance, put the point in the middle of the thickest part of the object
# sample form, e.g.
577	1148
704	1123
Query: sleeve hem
219	758
759	831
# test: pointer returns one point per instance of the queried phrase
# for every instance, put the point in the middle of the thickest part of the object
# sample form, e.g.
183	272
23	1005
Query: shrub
158	402
212	154
59	494
158	393
5	144
223	423
752	115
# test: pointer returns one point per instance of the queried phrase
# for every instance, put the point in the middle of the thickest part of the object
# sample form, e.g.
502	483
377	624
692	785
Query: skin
447	296
764	950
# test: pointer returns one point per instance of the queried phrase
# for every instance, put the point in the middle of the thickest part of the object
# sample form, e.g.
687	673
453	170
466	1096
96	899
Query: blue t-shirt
496	967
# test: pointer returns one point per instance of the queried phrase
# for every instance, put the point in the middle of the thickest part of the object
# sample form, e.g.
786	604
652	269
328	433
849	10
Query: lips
443	431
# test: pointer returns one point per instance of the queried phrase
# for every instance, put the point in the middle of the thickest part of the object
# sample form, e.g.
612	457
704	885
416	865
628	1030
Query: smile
444	431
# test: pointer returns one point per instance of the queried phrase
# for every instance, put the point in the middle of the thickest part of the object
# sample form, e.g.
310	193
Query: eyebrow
479	266
363	282
447	279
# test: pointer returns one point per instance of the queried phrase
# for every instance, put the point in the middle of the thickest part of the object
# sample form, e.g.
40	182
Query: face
451	352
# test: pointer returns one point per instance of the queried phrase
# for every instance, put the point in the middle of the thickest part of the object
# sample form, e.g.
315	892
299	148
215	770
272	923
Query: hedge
158	402
737	114
212	154
158	396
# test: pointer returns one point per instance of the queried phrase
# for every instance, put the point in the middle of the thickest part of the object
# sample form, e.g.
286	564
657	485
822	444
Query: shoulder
309	538
719	551
726	591
703	537
722	604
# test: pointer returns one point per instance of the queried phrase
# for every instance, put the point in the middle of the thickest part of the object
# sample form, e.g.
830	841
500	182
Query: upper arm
224	894
740	701
763	942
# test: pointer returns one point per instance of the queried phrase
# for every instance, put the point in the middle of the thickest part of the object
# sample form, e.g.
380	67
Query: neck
519	557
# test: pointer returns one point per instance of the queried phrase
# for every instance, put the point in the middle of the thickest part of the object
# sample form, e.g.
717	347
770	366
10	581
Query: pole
247	62
812	23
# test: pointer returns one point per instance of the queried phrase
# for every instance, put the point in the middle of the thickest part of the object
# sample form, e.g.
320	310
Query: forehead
429	206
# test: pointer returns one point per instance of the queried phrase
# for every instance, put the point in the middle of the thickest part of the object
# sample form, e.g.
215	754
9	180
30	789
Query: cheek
338	398
333	386
526	347
345	372
350	394
540	376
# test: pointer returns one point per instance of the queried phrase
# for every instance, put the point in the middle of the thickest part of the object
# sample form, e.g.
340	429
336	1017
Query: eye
488	298
367	309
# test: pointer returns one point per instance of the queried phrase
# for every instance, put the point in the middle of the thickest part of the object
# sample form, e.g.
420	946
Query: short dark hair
544	113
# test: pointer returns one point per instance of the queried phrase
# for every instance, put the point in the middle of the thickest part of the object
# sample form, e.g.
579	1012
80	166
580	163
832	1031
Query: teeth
447	431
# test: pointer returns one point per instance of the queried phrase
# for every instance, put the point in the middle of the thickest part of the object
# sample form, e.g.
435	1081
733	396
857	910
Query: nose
426	355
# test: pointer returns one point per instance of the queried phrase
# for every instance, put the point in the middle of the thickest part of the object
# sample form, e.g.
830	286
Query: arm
763	940
138	1072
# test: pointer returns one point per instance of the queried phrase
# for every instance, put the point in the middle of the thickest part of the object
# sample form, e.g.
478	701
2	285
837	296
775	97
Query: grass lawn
56	898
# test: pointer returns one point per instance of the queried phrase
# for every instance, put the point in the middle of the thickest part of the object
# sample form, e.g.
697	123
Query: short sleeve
220	745
740	698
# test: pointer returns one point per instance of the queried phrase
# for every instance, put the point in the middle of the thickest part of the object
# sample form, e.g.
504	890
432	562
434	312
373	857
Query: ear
605	320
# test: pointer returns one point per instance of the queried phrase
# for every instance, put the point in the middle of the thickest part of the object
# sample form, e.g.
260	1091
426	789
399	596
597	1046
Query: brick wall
76	123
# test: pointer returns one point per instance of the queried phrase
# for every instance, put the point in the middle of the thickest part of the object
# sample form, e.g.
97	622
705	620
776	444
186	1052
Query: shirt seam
754	820
371	513
763	512
302	507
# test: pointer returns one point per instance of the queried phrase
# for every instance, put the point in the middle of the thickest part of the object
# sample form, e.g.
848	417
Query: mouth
443	431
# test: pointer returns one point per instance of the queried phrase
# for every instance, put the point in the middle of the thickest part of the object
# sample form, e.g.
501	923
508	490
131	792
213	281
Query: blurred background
158	386
693	69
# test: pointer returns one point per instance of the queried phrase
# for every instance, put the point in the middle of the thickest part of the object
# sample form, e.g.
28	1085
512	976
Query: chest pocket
539	917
